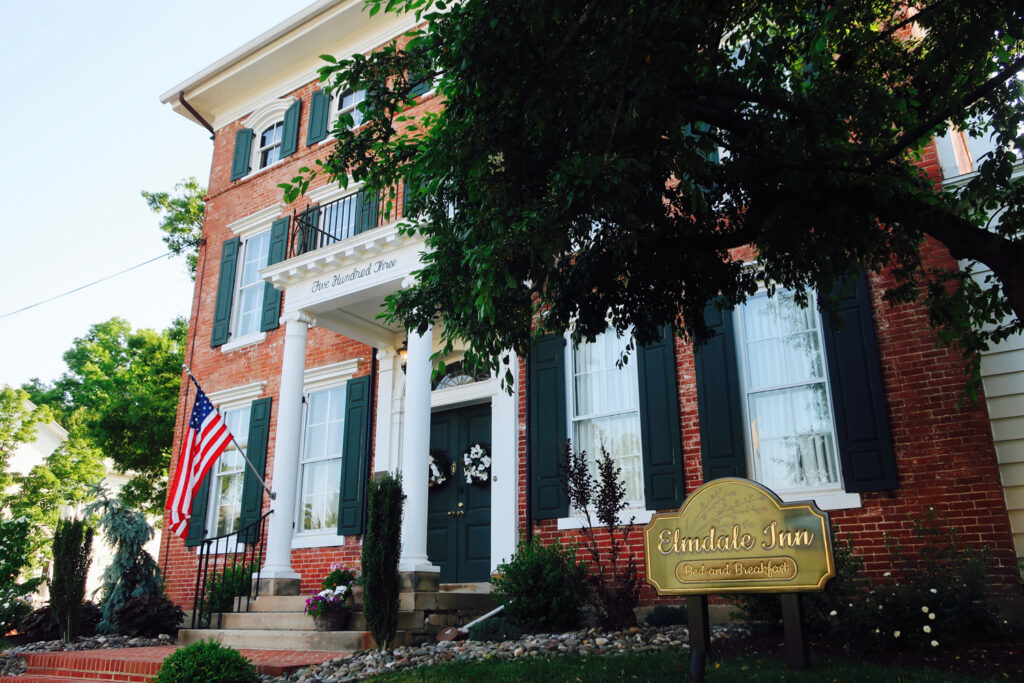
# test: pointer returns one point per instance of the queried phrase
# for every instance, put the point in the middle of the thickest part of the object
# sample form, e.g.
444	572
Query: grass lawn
674	666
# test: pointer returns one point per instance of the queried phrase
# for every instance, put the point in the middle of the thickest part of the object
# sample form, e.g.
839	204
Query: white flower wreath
437	475
476	464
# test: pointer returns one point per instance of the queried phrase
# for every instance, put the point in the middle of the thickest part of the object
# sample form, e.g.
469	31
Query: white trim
464	394
266	115
640	516
838	500
317	540
247	340
327	376
255	223
331	191
236	397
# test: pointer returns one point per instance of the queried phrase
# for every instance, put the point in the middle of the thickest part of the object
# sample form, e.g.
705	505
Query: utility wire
78	289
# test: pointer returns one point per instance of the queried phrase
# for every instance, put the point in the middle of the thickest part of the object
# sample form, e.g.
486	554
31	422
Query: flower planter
332	621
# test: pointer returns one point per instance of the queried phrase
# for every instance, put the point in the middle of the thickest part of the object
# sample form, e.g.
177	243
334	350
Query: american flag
206	439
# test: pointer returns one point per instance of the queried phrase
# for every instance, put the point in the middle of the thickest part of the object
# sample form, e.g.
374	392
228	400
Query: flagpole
273	496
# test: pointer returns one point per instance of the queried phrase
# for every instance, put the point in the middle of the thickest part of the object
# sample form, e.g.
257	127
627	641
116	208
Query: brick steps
141	664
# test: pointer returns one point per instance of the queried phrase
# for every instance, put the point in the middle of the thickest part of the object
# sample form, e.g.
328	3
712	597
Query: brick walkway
140	664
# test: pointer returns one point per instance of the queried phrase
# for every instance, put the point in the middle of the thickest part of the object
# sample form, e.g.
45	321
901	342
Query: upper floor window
348	103
247	305
249	297
269	150
605	409
275	127
788	427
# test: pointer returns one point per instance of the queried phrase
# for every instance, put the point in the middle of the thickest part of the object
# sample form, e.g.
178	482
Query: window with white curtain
789	428
320	475
229	475
248	309
605	408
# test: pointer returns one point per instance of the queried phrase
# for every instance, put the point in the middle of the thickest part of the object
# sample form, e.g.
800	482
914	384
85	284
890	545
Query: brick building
285	340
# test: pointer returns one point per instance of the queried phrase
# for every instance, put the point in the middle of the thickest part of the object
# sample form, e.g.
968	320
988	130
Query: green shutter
660	438
197	519
366	204
272	295
319	109
858	399
547	427
355	457
225	291
252	489
290	133
718	400
243	150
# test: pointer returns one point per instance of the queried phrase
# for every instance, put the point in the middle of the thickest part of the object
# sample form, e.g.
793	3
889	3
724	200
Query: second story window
348	103
270	144
249	304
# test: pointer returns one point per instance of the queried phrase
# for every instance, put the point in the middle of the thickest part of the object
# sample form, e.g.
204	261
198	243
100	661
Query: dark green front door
459	514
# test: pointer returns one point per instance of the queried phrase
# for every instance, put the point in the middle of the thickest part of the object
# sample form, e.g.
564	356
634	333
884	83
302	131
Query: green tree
64	478
126	382
181	218
18	419
593	128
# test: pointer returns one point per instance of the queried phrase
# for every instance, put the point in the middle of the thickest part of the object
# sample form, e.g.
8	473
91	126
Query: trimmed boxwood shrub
209	662
543	587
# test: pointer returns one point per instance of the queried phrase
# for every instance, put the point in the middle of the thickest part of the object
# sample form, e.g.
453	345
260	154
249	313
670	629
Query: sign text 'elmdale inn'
734	536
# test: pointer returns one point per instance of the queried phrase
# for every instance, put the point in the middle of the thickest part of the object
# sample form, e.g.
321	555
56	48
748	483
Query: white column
384	458
415	451
505	465
286	448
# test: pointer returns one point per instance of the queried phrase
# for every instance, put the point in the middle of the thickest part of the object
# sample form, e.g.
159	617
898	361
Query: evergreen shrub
72	554
209	662
495	629
382	546
543	587
223	589
14	557
133	571
148	616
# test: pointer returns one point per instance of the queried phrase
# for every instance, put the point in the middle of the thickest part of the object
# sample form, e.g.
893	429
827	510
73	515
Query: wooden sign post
736	536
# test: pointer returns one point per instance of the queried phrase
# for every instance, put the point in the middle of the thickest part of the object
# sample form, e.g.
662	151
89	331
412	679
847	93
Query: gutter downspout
529	462
197	115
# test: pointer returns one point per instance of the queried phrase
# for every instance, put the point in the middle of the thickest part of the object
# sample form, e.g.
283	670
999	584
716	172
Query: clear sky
85	133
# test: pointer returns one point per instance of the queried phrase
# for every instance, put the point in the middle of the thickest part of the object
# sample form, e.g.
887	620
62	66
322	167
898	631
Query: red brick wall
945	457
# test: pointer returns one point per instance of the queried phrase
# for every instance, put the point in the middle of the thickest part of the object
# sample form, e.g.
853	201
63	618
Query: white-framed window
320	463
268	149
347	102
604	408
788	418
228	476
248	306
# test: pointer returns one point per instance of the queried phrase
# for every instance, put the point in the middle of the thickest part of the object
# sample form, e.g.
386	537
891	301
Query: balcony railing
324	224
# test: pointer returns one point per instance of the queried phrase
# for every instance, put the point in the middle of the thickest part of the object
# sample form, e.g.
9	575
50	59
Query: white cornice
314	379
255	222
283	59
236	397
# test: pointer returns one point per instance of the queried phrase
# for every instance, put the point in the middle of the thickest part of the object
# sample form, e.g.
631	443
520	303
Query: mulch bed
997	658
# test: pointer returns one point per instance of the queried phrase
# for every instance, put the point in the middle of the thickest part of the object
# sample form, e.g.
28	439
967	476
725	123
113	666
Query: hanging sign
736	536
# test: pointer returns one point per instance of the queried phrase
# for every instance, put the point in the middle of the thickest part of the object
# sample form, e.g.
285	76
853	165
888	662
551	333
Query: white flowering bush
476	464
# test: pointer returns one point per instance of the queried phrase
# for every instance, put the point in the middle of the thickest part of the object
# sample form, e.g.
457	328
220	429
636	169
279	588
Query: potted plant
330	607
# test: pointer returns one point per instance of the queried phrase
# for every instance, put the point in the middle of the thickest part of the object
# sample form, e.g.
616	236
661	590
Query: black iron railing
224	581
318	226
